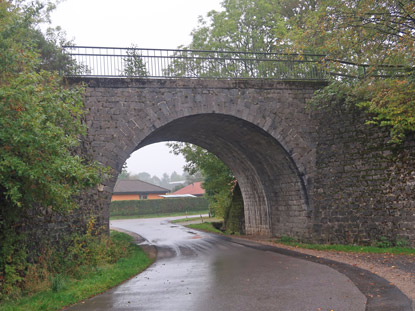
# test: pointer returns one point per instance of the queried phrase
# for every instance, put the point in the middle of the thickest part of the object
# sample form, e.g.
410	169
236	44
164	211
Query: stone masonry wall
364	186
316	176
259	128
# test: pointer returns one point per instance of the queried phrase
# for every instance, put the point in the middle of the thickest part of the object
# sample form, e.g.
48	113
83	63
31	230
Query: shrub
162	206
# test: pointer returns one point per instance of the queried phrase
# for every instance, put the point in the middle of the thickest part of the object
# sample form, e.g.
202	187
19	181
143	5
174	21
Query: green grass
158	215
348	248
205	219
65	291
206	226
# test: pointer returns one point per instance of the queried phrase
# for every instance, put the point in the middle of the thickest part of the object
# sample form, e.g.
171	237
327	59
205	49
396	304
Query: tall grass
123	260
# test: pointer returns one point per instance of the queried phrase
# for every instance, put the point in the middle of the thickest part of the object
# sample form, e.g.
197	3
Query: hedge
161	206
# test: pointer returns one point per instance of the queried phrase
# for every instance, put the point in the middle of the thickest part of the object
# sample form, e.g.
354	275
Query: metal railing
168	63
90	61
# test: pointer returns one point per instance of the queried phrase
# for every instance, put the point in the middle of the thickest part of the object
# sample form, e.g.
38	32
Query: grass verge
205	219
350	248
206	226
158	215
66	290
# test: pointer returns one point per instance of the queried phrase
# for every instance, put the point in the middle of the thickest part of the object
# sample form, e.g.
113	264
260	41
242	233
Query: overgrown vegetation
221	190
91	266
234	219
40	130
378	34
218	179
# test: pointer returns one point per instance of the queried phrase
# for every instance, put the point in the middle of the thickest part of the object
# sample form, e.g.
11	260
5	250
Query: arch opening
274	194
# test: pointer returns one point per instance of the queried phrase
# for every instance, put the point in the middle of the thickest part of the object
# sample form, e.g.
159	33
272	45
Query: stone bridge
318	176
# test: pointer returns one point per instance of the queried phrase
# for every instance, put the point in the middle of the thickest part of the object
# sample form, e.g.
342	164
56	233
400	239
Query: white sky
144	23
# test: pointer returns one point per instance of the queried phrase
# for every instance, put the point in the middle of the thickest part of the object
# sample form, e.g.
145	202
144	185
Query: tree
362	31
144	176
237	39
243	25
124	174
218	179
40	130
192	178
134	64
379	34
40	121
176	177
165	181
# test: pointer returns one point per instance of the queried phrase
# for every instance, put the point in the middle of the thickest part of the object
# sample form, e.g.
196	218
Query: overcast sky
144	23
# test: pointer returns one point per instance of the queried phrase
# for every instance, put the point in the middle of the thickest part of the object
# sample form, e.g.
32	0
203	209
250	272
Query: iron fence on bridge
169	63
174	63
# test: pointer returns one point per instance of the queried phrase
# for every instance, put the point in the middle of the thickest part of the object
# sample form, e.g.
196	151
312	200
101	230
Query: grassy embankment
384	248
64	290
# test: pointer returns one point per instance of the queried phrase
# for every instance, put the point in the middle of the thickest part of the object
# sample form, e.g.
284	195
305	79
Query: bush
287	239
384	242
234	218
55	263
162	206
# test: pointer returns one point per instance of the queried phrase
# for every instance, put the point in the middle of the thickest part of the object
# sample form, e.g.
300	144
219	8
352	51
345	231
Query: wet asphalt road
199	271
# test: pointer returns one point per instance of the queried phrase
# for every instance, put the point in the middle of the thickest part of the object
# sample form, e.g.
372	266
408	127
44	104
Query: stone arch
276	200
260	129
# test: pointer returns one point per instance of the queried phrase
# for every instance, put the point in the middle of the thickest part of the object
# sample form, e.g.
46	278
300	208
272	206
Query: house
128	189
193	189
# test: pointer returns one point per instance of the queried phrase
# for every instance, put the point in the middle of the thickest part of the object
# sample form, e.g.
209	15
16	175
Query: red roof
195	189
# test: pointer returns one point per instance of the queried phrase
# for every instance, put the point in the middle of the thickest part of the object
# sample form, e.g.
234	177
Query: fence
166	63
90	61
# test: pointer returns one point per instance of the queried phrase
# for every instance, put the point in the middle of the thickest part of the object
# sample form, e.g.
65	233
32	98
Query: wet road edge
150	250
381	295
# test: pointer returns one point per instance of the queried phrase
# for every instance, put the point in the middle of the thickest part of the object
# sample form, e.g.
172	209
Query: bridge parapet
88	61
174	63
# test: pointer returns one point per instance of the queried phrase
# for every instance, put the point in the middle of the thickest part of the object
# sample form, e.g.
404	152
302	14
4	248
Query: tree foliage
40	120
134	64
379	34
361	31
166	181
218	179
243	25
233	42
40	130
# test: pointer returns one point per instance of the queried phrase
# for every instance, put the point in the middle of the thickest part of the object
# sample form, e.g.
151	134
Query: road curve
200	271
